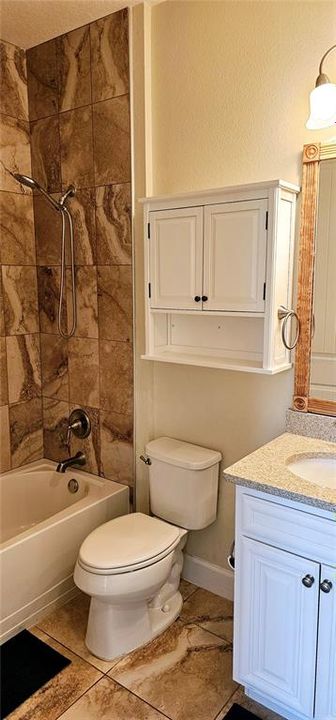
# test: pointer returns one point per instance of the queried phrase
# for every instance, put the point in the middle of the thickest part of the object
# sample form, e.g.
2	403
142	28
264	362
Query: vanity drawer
298	531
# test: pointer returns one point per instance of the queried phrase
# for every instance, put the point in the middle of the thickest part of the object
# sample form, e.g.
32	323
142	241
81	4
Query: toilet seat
128	543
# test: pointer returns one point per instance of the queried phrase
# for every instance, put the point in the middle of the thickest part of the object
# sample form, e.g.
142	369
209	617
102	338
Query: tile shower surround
78	108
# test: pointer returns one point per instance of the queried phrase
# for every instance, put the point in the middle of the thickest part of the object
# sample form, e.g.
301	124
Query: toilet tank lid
182	454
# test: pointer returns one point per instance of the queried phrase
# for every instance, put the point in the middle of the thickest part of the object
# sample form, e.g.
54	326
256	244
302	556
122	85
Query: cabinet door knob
197	298
204	298
308	581
326	586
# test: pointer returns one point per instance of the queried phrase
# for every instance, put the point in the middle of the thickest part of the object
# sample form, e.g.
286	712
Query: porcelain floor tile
108	701
185	673
240	698
65	688
186	589
210	612
68	625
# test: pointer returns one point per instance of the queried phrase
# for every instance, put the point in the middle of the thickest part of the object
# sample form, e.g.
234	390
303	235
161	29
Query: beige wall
230	82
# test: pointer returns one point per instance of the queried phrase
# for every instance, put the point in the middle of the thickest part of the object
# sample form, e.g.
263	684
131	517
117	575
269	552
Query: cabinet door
276	624
235	256
325	708
176	250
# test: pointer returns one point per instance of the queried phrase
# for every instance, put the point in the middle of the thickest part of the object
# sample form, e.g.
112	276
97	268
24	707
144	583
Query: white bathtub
42	528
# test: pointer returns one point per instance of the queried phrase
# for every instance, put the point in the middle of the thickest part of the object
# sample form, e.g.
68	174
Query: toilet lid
127	540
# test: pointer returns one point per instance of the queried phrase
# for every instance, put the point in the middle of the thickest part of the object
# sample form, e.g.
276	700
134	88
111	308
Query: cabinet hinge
148	231
266	221
149	290
264	292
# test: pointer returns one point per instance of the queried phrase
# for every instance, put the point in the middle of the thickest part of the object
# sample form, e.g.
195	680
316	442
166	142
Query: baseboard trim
206	575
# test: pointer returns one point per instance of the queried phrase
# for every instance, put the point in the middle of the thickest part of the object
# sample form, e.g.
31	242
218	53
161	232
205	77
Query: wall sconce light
322	100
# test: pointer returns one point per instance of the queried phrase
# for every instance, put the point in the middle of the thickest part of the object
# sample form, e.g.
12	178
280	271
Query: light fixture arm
322	77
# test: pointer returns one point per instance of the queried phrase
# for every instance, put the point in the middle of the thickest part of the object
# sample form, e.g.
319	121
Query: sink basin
319	469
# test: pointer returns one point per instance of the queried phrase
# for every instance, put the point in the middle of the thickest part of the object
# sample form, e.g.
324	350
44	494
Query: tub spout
78	459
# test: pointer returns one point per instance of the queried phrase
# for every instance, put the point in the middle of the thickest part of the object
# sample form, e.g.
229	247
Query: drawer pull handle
326	586
308	581
204	298
197	298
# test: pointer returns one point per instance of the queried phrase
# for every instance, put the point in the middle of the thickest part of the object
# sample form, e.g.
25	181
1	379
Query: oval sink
319	469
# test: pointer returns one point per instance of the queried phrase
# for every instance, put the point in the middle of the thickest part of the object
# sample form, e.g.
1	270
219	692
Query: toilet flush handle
145	459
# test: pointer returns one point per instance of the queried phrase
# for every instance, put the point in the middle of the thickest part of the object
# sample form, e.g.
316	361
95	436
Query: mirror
315	362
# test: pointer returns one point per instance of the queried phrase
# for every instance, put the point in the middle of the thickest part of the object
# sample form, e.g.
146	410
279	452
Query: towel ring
285	314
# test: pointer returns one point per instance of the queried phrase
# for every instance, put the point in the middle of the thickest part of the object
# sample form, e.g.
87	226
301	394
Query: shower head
26	180
33	185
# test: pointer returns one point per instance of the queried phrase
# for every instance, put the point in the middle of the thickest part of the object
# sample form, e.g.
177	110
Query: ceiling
29	22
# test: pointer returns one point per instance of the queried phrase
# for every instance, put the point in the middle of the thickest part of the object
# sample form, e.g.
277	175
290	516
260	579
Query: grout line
69	110
59	717
227	701
103	672
124	687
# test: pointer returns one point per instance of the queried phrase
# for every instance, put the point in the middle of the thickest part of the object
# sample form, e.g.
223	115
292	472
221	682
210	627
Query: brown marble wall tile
26	435
76	147
48	279
14	152
48	229
2	312
55	422
113	225
24	367
111	141
73	61
115	302
109	47
42	80
84	371
86	296
54	361
20	299
17	240
3	373
45	153
82	208
13	81
90	446
5	456
116	376
116	432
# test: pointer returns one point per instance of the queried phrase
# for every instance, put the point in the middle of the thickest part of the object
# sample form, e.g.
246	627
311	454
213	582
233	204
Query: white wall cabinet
218	266
176	258
285	607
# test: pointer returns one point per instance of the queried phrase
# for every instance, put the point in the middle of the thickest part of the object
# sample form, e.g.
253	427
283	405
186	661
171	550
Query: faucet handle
79	424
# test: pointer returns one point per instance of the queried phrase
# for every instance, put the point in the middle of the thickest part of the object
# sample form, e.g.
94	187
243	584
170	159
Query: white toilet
131	566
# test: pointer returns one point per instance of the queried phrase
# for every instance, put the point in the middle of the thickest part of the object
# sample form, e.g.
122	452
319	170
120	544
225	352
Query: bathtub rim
107	488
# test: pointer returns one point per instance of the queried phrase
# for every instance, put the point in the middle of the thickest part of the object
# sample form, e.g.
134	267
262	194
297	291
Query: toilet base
116	630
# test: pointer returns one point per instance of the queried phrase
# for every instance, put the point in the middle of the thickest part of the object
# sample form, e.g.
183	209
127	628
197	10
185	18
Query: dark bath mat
27	663
237	712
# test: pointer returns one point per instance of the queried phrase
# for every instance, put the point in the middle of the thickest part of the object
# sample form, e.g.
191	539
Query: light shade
322	107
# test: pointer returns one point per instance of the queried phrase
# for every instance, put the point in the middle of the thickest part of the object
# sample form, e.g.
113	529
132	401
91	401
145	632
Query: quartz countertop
266	470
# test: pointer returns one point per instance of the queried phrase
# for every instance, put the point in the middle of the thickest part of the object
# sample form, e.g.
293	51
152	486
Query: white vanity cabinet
285	606
218	266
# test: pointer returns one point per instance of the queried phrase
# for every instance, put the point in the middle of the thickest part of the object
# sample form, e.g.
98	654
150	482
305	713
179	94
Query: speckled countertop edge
266	470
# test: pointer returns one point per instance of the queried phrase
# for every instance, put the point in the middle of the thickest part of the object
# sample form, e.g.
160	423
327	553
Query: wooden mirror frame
312	156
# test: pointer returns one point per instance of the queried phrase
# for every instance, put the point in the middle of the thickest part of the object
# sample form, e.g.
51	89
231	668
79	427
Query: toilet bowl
131	566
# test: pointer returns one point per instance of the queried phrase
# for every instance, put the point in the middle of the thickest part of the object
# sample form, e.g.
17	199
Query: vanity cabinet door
176	258
235	256
325	708
276	624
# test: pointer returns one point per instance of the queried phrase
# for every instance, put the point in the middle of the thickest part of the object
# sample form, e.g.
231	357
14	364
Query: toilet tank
183	482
